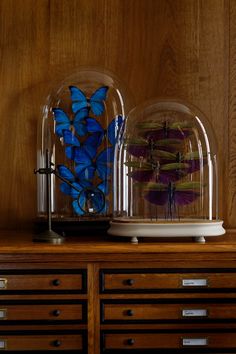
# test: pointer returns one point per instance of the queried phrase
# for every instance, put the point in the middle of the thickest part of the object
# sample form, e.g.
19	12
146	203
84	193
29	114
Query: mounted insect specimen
167	174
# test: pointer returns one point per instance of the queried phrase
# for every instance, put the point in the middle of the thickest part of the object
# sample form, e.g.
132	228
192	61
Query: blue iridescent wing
114	128
79	100
79	122
66	173
82	159
76	207
62	121
93	126
104	187
72	143
97	100
103	160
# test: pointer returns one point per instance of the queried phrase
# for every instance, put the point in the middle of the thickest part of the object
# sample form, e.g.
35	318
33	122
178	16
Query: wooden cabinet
95	296
43	309
175	309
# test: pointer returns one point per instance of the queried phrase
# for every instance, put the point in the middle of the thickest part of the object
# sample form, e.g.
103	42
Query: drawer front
113	341
41	342
41	312
42	282
163	311
146	281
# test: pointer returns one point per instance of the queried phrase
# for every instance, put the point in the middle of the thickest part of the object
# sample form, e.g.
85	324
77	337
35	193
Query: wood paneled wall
181	48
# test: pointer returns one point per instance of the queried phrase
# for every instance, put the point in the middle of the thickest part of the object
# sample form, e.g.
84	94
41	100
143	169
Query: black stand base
49	236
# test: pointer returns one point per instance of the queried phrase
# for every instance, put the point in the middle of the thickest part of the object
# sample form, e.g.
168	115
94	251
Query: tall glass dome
165	174
77	133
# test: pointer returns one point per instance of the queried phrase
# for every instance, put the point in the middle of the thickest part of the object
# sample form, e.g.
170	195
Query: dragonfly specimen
171	194
161	160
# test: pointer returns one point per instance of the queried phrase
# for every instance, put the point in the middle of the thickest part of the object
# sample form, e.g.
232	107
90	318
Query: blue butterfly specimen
71	142
95	102
112	130
90	200
88	164
67	175
63	122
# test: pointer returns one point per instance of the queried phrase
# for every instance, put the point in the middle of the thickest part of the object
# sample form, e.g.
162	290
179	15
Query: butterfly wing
62	121
94	126
77	208
79	100
97	100
114	128
79	122
105	158
66	173
82	159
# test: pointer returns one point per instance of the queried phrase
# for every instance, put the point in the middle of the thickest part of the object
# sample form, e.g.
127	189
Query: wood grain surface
181	48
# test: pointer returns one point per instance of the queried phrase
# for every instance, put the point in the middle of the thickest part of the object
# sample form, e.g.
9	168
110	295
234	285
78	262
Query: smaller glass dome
165	174
77	132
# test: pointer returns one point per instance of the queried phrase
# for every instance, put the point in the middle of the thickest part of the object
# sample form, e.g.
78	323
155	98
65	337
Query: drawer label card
3	314
3	283
3	344
188	342
194	313
194	282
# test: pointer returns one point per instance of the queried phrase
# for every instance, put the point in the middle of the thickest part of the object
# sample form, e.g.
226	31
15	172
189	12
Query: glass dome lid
77	133
165	174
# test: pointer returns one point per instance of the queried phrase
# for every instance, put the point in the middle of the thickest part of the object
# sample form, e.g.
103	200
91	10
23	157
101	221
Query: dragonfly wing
156	197
185	197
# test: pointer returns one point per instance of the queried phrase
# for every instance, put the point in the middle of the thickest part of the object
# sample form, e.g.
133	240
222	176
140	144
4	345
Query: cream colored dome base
134	229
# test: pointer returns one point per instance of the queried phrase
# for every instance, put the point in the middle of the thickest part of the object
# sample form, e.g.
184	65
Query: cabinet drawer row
151	311
142	280
51	281
55	311
43	342
173	340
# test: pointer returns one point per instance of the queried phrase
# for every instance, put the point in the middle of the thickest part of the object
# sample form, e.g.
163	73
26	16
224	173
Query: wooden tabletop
22	242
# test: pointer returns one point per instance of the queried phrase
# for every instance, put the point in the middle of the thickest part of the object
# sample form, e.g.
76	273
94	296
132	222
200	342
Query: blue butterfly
88	165
95	102
112	131
66	173
90	200
72	143
63	122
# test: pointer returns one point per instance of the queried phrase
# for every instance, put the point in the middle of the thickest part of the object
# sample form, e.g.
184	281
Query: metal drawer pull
57	343
3	283
3	344
129	282
194	282
189	342
3	314
194	313
129	312
130	341
56	313
56	282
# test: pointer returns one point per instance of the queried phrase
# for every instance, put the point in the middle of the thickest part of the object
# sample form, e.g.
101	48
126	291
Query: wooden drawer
51	281
42	342
43	312
171	340
152	311
146	281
